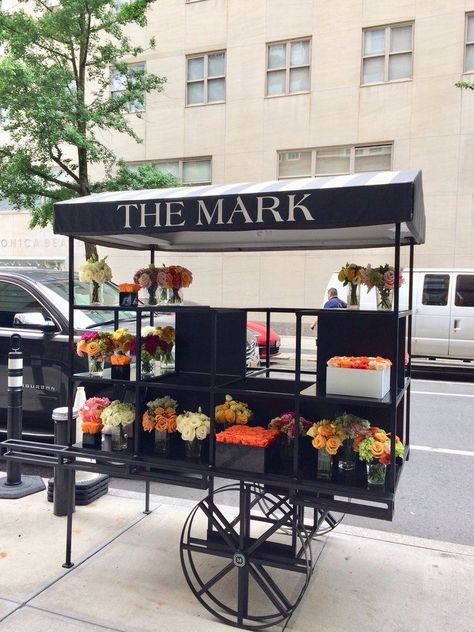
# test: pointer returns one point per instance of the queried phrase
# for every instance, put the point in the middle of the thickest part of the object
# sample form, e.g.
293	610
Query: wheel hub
239	560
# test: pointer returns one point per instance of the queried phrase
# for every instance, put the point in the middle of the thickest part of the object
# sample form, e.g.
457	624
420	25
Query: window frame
469	14
205	77
180	162
288	66
127	106
387	54
352	148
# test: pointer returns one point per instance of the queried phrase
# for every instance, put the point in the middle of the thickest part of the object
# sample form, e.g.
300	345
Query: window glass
435	289
195	68
294	164
171	167
332	161
464	290
374	41
276	82
373	69
196	171
118	81
469	61
400	39
299	54
299	79
5	205
216	90
216	65
399	66
196	92
14	300
377	158
277	56
470	28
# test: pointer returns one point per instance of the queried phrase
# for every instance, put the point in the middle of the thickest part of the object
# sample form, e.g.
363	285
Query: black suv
34	303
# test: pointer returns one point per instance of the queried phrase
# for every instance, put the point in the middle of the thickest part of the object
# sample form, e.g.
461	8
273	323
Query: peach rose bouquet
327	436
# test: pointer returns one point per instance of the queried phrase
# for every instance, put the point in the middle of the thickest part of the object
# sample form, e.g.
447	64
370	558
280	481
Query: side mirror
33	320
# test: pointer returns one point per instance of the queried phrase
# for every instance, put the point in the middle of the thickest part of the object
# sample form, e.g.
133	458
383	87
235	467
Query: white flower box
357	382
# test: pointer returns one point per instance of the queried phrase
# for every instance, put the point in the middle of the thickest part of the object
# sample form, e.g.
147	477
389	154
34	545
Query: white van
443	311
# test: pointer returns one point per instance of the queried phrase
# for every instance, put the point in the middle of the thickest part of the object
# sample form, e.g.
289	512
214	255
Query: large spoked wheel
236	561
321	521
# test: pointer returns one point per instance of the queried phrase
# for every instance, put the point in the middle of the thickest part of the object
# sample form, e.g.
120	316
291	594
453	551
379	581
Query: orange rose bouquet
160	415
374	448
327	436
97	345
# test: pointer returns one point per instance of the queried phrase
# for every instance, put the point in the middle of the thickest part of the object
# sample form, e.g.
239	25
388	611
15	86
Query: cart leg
70	508
147	498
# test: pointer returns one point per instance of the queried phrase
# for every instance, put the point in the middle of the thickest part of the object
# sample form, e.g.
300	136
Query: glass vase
324	466
347	456
192	449
96	366
384	299
167	363
147	368
119	438
353	296
152	300
174	296
286	448
162	442
96	293
376	473
163	295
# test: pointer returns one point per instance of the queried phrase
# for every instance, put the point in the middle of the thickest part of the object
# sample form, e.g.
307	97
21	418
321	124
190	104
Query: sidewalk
127	574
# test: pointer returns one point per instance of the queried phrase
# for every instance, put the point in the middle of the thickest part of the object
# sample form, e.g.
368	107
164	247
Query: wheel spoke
225	535
268	578
268	591
205	587
266	535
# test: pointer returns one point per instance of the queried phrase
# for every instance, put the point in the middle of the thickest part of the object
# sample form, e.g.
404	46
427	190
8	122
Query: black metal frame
275	499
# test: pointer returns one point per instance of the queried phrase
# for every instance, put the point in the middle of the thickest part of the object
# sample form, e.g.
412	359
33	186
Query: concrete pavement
127	574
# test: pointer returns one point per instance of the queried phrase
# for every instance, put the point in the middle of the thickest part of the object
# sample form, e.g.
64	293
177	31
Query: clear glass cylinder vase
192	449
376	473
96	293
119	438
151	299
346	456
167	364
147	367
353	296
174	296
96	366
162	441
384	299
324	465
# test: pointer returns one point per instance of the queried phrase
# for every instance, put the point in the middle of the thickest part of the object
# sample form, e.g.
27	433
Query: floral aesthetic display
128	294
91	422
233	412
351	276
160	417
97	345
371	363
95	272
255	436
124	342
286	426
373	447
147	278
383	279
327	438
157	344
173	278
352	426
117	415
193	428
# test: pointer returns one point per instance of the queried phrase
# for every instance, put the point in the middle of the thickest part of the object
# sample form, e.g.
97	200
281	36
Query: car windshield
88	317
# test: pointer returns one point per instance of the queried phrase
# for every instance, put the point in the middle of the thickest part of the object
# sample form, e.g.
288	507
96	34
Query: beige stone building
268	89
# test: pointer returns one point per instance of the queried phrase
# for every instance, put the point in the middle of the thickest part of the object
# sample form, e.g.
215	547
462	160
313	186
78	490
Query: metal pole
15	404
63	479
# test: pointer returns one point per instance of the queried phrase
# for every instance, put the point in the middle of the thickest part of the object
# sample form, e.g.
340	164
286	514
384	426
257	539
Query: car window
435	289
14	300
464	290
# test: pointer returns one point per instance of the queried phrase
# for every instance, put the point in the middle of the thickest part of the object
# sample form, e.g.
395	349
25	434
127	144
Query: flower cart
246	548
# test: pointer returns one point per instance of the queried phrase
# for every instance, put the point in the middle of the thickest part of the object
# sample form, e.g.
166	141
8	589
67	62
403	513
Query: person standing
333	302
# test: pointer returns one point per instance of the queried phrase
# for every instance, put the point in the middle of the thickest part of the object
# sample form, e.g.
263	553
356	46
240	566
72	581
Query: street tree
59	60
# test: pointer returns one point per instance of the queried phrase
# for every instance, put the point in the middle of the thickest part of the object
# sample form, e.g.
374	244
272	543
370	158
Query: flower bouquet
160	416
147	278
352	275
285	424
193	428
97	345
96	272
91	425
352	426
174	278
165	347
374	448
327	438
114	417
124	342
149	350
233	412
358	376
128	294
383	279
240	447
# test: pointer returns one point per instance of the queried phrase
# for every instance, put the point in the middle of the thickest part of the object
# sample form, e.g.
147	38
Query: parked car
34	303
260	330
443	311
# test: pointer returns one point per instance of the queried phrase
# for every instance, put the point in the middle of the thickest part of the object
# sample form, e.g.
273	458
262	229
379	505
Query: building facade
268	89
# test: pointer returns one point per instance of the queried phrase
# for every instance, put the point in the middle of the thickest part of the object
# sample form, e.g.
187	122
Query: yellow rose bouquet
327	436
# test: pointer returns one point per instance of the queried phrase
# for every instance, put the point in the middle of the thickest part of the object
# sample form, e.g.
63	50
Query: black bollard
14	485
64	489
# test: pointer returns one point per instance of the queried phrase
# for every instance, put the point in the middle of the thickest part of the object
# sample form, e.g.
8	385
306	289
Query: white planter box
357	382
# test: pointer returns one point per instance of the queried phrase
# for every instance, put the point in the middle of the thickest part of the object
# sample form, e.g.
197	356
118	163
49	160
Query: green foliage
465	85
56	100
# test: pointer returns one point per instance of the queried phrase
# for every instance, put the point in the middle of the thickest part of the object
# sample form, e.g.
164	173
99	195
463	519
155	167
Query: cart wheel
236	562
323	521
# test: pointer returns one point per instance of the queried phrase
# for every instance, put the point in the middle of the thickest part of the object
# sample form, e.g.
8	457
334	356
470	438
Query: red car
260	330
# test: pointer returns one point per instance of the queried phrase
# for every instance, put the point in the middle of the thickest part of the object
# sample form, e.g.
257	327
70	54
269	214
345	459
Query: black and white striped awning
359	210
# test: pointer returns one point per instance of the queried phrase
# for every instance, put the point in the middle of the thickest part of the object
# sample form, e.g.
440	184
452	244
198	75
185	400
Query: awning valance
358	210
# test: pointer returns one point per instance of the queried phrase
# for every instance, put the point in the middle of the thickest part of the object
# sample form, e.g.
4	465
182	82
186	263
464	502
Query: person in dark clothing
333	302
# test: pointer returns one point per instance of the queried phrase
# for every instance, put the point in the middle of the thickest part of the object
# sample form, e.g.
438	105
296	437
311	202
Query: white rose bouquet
118	414
193	425
94	269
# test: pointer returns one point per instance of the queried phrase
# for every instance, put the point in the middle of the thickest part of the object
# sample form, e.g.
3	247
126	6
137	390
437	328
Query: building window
332	161
469	54
387	53
189	171
288	67
205	78
119	83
